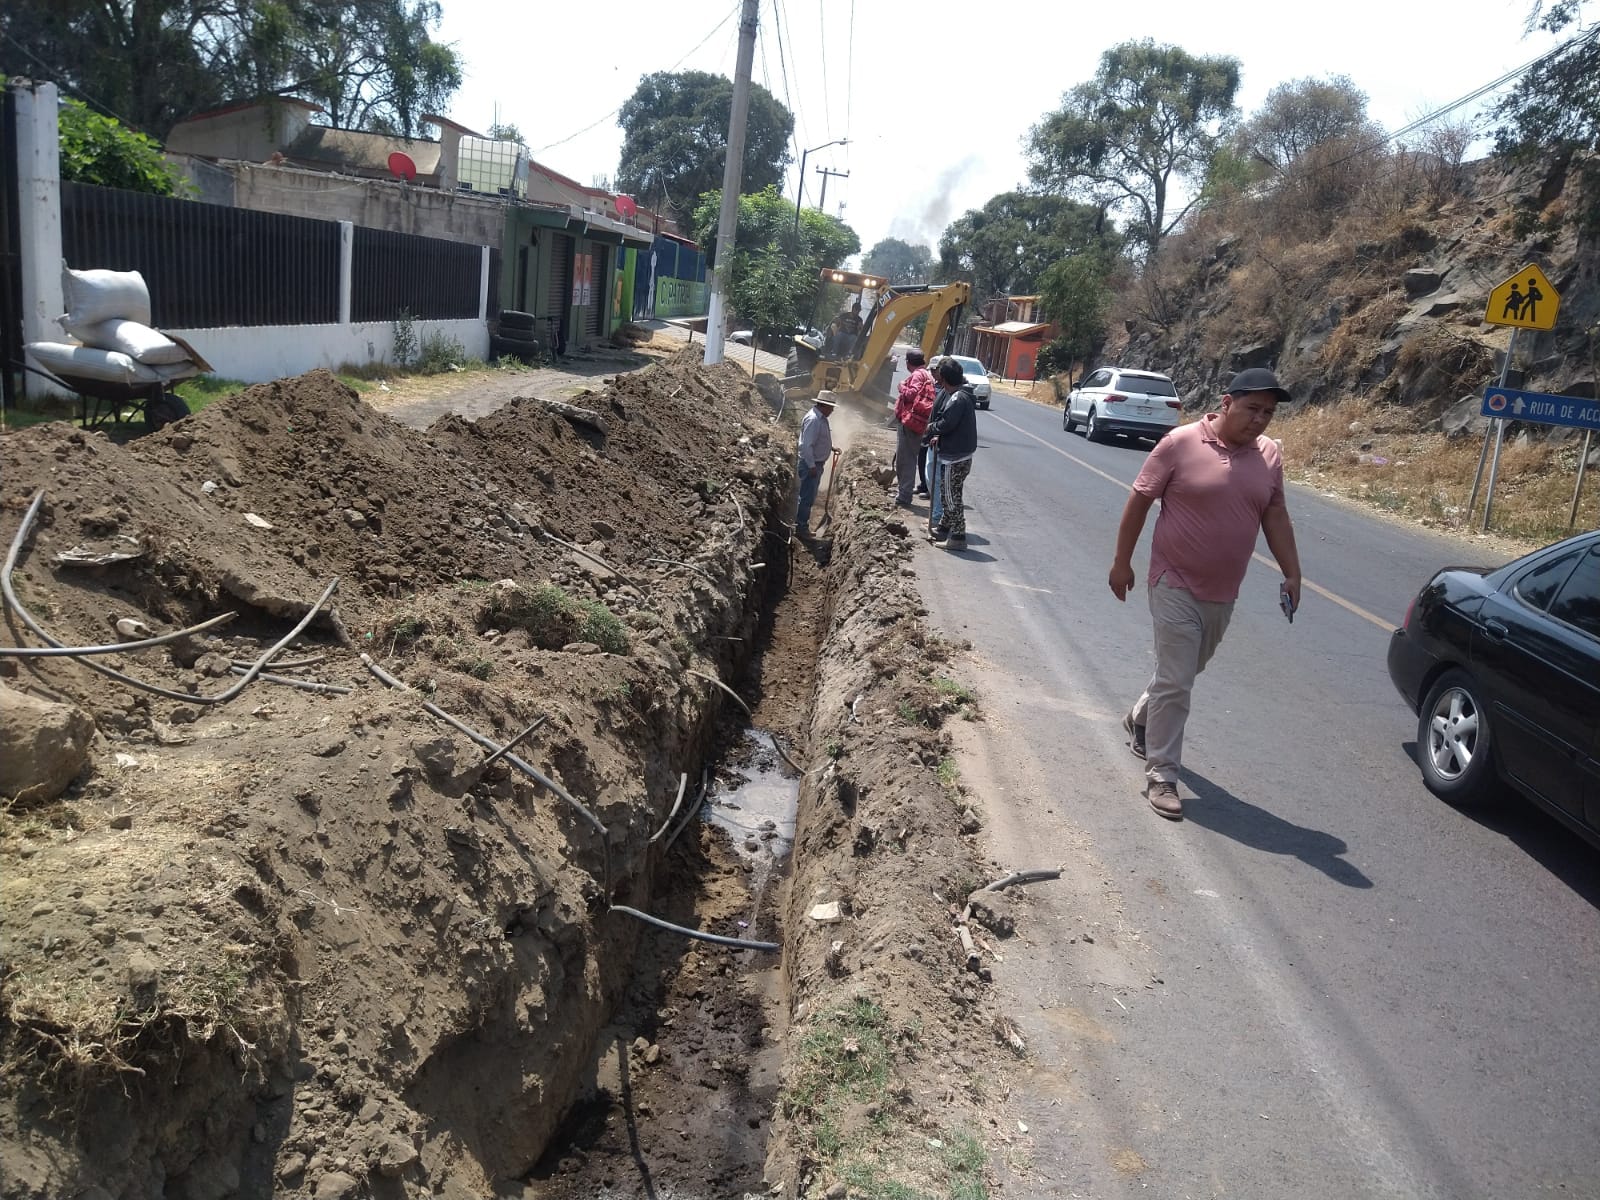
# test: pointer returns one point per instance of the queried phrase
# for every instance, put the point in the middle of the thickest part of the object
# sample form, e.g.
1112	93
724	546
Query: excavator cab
860	361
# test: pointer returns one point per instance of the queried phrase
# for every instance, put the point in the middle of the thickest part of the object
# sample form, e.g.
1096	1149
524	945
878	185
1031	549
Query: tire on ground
512	320
164	410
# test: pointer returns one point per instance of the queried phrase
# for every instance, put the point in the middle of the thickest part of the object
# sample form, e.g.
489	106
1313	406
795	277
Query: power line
822	57
850	70
1476	94
618	108
799	116
793	138
50	75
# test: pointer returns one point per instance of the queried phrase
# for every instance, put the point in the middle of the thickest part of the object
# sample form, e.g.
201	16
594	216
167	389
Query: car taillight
1174	403
1410	608
1115	399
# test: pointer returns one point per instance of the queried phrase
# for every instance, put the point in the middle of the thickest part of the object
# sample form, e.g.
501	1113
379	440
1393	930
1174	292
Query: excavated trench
322	945
678	1095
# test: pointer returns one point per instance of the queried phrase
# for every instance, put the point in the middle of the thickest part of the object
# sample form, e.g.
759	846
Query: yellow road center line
1347	605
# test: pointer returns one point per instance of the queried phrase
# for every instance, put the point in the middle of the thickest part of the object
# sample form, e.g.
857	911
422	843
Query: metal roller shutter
599	292
559	297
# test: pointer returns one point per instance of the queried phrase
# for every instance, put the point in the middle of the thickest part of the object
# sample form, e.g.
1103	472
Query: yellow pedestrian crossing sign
1526	300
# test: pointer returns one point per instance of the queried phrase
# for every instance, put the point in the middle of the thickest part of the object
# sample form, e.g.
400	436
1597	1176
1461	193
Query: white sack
138	342
85	362
95	296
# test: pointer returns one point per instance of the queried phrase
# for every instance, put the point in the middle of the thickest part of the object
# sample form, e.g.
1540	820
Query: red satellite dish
401	167
626	206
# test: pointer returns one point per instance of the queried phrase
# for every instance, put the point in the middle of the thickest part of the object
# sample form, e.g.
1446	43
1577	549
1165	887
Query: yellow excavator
861	362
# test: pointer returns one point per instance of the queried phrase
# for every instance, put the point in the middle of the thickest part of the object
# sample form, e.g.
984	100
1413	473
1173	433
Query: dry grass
1376	454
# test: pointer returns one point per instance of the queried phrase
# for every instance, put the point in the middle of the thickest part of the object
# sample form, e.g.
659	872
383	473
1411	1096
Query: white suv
1113	400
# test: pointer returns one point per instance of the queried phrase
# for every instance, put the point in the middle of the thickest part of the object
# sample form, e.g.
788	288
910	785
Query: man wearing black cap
1220	481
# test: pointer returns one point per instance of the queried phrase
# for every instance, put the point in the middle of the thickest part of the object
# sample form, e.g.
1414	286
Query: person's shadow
1219	810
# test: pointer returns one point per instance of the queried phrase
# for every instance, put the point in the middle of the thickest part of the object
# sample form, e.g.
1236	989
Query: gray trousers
1187	633
907	449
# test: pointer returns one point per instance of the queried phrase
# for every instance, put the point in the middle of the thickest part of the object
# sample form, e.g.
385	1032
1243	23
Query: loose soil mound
304	943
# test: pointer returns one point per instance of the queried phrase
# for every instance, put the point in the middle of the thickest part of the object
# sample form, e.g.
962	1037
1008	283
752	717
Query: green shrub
439	353
554	619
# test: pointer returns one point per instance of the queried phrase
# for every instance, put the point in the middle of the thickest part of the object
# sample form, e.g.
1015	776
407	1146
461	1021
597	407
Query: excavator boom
811	372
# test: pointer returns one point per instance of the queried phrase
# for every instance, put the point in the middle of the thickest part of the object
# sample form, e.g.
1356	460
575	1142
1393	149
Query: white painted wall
258	353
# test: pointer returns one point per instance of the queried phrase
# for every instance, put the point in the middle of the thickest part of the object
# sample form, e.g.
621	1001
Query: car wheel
1067	423
1092	429
1455	743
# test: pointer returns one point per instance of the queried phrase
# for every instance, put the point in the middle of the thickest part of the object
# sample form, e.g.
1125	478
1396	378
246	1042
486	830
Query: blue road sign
1508	404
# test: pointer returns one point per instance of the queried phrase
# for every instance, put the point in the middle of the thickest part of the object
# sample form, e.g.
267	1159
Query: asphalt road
1324	982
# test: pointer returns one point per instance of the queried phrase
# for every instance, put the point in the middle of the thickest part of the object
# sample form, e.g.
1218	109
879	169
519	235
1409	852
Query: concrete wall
374	203
256	354
251	132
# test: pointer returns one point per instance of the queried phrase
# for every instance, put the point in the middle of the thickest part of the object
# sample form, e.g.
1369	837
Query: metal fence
430	278
207	265
210	265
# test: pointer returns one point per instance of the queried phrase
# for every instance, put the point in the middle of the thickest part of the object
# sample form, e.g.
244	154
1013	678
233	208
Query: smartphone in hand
1286	602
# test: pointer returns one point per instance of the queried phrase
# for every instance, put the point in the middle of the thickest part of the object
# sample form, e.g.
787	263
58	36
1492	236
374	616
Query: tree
1005	246
1075	294
1299	116
776	271
1554	111
675	139
1150	118
505	133
370	63
95	149
898	261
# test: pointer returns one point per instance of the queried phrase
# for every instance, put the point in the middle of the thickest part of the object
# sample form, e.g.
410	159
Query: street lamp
800	193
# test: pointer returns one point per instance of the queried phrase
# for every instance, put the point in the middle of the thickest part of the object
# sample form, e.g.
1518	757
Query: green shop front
571	269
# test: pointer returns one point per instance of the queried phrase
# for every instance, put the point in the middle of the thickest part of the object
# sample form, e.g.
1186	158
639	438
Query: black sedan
1503	669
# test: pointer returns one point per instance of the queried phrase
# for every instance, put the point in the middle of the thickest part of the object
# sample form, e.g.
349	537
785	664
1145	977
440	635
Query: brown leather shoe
1163	797
1135	735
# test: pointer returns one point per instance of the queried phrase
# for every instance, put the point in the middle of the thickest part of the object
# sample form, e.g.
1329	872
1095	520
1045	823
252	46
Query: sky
936	98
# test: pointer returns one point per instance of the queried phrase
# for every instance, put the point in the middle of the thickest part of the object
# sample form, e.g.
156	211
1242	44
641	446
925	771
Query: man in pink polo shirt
1219	482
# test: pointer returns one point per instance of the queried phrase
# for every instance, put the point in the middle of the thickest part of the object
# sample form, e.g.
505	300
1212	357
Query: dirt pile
895	1051
310	943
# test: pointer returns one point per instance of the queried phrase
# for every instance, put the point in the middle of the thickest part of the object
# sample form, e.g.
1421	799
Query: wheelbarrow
102	401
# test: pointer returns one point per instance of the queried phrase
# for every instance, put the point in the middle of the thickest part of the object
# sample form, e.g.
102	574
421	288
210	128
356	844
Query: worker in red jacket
911	412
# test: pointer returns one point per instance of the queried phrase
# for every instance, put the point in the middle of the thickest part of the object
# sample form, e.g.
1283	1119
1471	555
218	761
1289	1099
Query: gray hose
305	685
113	647
719	939
683	782
185	697
738	699
491	746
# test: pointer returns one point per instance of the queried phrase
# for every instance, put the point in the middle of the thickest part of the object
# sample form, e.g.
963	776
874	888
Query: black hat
1257	379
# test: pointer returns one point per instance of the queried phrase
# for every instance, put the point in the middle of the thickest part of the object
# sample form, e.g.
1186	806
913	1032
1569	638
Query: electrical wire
600	121
799	115
1476	94
822	57
50	73
850	70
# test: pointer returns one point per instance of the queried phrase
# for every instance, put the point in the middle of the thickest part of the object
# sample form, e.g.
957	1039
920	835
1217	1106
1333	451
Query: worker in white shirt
816	447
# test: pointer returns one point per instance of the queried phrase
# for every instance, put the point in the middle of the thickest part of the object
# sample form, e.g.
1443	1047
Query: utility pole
732	173
800	192
822	200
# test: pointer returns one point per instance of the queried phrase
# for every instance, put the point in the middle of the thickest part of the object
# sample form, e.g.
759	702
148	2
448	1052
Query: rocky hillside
1374	291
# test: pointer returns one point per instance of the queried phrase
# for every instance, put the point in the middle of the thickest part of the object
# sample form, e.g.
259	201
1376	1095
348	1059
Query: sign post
1527	300
1583	461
